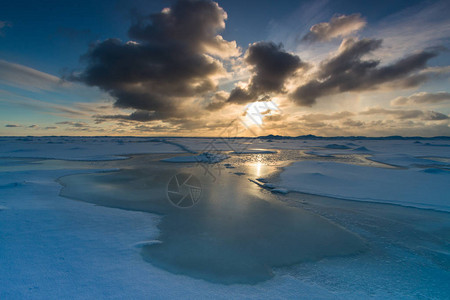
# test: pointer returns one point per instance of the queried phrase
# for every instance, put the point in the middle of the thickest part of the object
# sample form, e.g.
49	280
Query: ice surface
54	247
88	148
107	147
319	153
256	151
234	235
400	186
206	157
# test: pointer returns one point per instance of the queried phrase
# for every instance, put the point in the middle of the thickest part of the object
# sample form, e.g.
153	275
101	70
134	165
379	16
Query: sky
193	67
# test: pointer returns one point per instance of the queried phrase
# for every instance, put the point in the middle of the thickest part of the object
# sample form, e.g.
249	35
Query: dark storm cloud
166	64
271	67
339	26
192	23
349	72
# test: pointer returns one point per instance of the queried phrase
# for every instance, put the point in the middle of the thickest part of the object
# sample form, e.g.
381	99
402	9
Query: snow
56	248
280	191
411	187
337	146
361	149
109	147
269	185
72	148
403	160
53	247
49	243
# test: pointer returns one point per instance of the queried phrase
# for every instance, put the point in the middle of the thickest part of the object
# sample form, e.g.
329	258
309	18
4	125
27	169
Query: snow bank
361	149
336	146
56	248
280	191
404	160
411	187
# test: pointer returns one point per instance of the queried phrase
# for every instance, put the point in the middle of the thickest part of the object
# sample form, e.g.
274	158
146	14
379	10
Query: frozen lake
235	234
286	219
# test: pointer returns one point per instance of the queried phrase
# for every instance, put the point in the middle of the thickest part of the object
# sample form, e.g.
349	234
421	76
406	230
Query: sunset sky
189	68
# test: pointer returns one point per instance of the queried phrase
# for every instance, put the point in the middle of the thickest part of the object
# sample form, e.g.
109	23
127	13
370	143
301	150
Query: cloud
347	72
51	108
139	115
334	116
434	116
73	124
191	23
3	25
316	120
153	128
271	67
422	98
274	118
27	78
218	101
12	125
353	123
416	27
407	114
79	126
148	116
339	26
171	60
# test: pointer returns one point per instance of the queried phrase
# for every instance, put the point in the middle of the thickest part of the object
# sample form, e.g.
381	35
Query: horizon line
270	136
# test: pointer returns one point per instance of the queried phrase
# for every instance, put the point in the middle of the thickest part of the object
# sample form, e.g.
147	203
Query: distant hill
314	137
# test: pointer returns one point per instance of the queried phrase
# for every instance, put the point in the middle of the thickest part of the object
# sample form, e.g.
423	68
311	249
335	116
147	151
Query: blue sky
51	35
42	41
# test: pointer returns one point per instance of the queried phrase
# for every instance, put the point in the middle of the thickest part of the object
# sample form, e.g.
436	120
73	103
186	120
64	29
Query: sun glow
256	111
